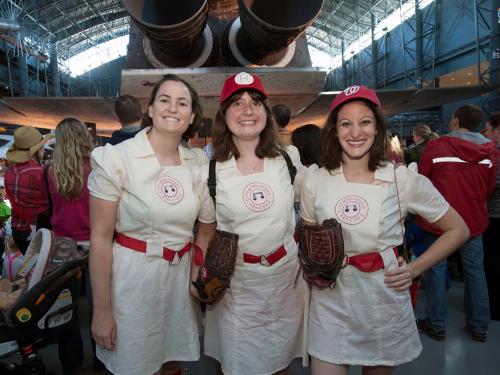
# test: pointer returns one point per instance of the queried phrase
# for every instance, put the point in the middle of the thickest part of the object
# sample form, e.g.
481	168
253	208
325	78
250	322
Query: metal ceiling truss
76	25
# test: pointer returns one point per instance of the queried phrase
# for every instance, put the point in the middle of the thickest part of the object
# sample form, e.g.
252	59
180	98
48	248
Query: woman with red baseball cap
256	328
367	318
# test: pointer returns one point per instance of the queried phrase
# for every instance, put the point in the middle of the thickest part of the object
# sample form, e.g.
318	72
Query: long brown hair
195	105
223	143
330	146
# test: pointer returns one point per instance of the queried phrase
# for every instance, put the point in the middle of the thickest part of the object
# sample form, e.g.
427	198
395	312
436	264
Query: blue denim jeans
476	304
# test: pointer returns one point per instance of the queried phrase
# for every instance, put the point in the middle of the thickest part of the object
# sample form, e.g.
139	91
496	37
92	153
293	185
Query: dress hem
355	362
184	359
265	373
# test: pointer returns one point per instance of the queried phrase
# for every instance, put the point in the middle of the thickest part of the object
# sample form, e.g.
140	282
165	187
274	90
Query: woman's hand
399	278
104	328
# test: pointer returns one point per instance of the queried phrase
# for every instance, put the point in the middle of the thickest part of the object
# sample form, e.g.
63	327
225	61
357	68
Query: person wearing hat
25	185
367	318
256	328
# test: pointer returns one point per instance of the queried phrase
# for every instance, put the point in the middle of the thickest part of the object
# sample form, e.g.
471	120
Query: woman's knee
319	367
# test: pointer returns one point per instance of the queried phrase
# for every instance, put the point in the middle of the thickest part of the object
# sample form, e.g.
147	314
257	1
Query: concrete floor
457	355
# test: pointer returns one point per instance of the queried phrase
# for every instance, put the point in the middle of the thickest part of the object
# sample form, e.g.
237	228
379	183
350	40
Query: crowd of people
147	205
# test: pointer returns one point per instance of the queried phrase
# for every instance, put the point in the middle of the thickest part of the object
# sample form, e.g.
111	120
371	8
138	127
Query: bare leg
378	370
319	367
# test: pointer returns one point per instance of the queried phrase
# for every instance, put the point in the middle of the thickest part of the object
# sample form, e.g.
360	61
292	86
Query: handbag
43	218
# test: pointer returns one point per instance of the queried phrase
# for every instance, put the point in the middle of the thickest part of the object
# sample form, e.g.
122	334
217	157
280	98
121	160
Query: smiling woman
369	197
146	195
256	328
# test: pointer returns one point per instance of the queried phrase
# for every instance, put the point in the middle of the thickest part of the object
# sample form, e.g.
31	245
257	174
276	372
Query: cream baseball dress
361	321
256	329
157	318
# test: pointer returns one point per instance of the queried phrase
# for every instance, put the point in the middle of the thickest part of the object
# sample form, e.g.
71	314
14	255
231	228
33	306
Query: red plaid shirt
26	190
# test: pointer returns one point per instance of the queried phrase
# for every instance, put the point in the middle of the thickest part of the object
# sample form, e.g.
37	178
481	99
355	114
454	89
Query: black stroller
48	305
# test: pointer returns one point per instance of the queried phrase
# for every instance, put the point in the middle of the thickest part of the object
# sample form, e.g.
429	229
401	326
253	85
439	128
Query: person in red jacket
462	165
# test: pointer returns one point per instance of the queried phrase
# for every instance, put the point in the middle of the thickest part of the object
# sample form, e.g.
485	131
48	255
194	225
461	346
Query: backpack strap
212	181
291	168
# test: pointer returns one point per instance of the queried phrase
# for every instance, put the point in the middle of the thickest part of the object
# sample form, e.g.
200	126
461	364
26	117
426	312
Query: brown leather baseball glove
216	271
321	253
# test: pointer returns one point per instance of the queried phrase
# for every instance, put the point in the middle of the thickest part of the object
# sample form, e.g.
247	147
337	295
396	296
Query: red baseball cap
352	93
241	81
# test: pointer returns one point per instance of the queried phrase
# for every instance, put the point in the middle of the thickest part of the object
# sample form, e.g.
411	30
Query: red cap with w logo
353	93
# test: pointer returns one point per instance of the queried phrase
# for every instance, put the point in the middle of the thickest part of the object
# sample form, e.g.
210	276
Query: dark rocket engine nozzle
267	28
176	34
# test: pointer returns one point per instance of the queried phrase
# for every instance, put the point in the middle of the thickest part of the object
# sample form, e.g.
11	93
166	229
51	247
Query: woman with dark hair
147	193
307	139
368	314
256	328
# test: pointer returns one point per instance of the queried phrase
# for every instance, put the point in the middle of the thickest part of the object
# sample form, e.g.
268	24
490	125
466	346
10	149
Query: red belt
265	260
368	262
269	259
139	245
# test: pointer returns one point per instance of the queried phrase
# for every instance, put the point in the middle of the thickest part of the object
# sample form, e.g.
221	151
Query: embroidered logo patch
243	79
351	90
169	189
352	209
258	196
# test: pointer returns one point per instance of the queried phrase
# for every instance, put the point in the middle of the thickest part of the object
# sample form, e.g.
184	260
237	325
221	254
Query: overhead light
452	78
468	83
469	73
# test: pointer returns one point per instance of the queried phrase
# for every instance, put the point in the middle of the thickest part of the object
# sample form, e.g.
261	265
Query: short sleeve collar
143	147
385	172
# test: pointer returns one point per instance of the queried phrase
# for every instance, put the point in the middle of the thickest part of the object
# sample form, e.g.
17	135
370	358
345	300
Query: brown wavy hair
70	158
195	106
223	143
331	151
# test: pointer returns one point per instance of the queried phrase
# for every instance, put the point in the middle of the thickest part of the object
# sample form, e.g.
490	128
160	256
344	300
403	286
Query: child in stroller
41	304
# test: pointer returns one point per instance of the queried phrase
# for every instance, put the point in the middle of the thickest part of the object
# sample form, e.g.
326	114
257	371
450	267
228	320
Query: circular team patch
351	209
258	196
169	189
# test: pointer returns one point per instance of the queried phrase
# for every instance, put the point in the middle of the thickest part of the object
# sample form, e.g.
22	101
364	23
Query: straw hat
27	141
